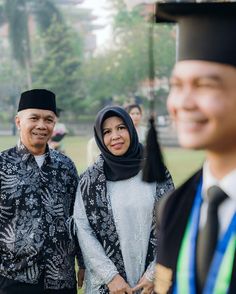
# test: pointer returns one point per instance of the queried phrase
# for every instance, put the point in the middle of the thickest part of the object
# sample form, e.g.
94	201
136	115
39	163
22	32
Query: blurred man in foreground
197	228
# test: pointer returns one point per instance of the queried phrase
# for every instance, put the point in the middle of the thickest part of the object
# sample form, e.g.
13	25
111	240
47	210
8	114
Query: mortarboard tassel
154	169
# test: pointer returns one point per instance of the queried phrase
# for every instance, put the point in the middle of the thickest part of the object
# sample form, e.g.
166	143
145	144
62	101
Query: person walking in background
92	151
115	210
136	113
58	134
197	224
37	193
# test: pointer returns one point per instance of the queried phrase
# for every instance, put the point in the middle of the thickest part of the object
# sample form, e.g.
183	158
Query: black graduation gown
173	214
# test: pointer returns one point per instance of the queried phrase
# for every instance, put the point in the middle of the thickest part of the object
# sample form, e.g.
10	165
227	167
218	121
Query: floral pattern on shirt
36	205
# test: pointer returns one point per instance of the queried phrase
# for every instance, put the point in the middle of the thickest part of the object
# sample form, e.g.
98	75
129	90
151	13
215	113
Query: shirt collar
26	155
227	183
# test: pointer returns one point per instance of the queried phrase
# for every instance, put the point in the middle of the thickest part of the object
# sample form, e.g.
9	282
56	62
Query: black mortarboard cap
207	31
39	99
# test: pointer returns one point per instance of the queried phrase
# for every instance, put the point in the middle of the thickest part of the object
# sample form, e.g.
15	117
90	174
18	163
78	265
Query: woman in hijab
136	113
114	210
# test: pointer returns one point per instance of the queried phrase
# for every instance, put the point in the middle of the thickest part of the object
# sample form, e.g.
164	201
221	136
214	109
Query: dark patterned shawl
99	212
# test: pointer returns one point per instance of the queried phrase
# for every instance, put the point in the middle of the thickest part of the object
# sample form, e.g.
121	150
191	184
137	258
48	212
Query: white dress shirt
39	159
228	207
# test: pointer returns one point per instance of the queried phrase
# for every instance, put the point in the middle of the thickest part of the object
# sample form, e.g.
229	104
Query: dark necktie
208	235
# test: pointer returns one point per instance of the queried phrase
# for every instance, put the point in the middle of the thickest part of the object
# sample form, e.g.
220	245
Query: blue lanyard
194	220
195	216
220	249
217	259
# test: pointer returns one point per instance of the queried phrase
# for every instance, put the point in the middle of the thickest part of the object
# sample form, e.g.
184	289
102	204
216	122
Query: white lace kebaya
132	203
115	209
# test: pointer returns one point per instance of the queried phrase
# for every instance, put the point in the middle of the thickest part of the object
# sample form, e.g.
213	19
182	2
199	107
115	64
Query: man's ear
17	121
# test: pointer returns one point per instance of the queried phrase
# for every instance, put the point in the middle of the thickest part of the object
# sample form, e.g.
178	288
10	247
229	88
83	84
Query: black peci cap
207	31
39	99
59	111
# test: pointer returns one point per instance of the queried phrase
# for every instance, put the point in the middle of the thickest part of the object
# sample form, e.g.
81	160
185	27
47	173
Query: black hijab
123	167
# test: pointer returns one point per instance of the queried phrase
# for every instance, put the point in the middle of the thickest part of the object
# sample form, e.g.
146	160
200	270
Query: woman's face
116	136
136	115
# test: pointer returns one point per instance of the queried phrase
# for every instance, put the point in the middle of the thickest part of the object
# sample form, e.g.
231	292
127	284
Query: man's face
36	127
202	101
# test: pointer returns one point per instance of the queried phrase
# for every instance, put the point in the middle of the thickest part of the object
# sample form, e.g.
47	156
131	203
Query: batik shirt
35	218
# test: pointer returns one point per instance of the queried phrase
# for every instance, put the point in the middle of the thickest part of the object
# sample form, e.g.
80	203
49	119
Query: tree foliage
58	67
85	85
121	70
17	18
16	13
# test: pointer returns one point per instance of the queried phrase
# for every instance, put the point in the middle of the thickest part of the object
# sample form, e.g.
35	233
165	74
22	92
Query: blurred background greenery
53	44
181	162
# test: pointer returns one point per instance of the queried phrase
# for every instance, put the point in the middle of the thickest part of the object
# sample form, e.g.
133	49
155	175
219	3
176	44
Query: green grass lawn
181	163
